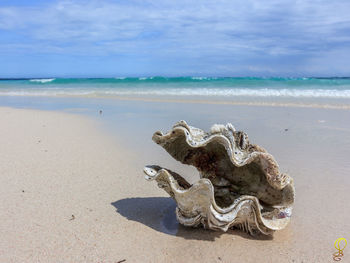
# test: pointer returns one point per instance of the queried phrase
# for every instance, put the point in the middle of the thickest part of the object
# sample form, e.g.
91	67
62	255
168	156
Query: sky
105	38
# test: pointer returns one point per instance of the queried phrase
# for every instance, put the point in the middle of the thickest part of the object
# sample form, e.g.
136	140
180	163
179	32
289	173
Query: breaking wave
197	92
41	80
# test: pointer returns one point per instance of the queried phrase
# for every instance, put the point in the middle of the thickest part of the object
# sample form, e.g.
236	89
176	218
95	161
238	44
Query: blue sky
102	38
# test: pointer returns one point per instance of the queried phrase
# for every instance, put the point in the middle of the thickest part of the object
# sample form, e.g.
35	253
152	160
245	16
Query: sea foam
41	80
196	92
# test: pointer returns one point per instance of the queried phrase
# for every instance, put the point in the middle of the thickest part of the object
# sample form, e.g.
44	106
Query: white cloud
248	31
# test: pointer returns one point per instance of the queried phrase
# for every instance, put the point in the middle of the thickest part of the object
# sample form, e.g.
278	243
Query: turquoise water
179	86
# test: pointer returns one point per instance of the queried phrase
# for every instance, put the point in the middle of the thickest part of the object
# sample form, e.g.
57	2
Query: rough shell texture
240	184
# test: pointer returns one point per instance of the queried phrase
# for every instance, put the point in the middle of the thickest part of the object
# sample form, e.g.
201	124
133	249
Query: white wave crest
317	93
41	80
197	92
203	78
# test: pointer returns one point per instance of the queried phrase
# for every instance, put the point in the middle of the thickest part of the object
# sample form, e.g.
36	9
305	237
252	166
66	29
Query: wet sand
73	189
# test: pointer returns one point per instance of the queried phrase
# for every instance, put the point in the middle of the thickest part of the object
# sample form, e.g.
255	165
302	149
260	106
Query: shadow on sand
158	213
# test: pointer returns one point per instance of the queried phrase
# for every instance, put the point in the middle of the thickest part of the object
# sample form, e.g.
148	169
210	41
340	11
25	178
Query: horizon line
174	77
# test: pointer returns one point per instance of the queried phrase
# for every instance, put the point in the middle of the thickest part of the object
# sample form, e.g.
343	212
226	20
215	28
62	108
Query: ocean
227	87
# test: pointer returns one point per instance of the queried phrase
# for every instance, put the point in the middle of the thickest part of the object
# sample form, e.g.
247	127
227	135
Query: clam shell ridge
240	184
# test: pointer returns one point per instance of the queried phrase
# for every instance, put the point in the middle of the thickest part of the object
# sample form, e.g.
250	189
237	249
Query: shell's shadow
158	213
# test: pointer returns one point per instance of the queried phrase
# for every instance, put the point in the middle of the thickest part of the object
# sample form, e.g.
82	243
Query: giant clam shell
240	184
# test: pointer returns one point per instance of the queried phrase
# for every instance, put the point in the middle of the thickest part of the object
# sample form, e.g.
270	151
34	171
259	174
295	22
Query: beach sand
73	191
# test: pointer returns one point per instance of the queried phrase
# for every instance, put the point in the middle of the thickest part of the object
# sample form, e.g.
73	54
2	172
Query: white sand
55	165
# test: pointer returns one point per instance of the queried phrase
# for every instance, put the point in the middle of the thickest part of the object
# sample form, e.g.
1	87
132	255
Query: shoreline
323	103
